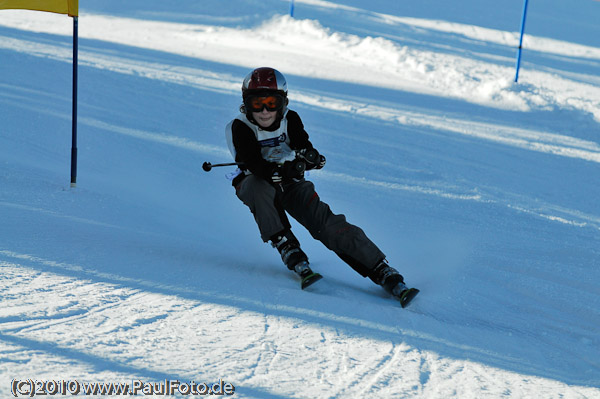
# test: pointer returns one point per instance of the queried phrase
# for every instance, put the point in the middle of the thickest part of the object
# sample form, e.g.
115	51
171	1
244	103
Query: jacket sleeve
298	136
248	152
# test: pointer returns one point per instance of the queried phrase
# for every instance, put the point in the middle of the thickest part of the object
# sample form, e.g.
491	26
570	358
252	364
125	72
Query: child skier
270	144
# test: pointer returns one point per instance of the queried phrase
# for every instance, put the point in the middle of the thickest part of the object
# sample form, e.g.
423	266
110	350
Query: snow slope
481	191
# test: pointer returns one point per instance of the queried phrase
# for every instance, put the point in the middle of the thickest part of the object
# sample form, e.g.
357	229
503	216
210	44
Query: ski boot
295	259
393	283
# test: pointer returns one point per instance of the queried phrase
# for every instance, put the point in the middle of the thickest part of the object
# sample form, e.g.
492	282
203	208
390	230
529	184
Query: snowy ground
481	191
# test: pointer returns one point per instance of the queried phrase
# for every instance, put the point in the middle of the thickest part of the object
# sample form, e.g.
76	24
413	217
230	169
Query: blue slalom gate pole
292	8
521	40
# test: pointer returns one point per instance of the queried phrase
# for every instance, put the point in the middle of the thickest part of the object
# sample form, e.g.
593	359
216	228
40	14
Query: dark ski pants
299	199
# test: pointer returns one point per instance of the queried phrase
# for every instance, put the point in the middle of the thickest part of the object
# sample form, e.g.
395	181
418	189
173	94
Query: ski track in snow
114	325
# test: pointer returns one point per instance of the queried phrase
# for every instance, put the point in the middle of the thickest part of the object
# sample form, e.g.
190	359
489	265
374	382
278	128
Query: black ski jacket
250	151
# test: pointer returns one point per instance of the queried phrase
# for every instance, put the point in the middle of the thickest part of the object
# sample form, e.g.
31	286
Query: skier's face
265	118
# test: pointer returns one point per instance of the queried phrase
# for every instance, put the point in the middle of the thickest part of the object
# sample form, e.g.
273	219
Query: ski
309	280
406	296
401	292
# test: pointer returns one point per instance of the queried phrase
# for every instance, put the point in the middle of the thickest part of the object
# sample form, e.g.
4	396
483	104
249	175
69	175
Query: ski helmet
264	79
264	82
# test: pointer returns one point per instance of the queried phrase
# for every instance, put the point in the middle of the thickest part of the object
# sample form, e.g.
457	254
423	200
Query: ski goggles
272	102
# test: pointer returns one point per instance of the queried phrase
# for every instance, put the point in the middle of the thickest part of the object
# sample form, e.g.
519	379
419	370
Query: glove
313	159
322	162
294	169
289	170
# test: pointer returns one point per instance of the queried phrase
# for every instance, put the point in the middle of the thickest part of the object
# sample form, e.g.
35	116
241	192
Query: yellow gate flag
70	7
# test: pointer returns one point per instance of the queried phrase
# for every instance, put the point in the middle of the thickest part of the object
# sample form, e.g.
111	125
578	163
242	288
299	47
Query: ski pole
207	166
